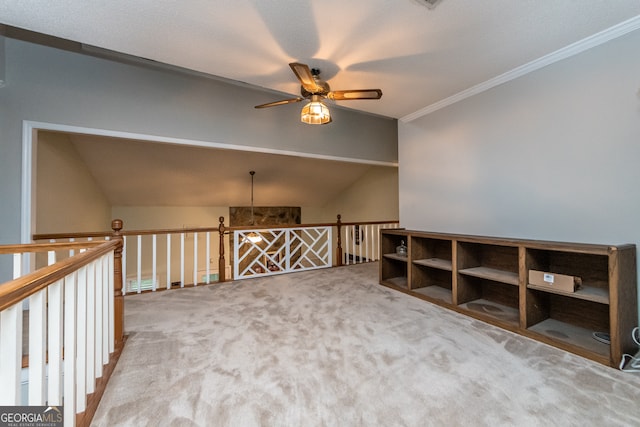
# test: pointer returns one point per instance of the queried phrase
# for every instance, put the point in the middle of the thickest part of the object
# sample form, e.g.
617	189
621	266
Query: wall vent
429	3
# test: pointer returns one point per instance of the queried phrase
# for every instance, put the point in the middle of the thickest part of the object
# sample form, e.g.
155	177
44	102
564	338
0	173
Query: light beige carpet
334	348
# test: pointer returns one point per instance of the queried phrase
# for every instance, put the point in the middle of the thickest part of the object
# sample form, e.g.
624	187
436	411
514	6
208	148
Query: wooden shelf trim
400	282
570	335
492	274
396	257
491	309
587	293
435	292
439	263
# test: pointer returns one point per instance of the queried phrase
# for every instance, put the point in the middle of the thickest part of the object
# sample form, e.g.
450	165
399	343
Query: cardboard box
560	282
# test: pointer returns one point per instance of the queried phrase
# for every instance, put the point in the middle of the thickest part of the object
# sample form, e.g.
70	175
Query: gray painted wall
552	155
53	86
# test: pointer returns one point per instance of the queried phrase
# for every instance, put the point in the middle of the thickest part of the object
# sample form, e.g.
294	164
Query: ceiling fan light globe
315	113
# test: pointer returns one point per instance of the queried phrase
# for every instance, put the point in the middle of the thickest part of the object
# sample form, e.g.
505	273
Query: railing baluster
91	326
37	347
208	258
168	261
110	303
154	262
195	259
360	243
17	265
347	244
352	249
139	265
54	343
11	344
11	355
69	393
101	271
182	260
81	339
376	242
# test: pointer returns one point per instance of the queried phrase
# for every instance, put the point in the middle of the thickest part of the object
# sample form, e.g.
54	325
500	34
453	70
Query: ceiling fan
316	89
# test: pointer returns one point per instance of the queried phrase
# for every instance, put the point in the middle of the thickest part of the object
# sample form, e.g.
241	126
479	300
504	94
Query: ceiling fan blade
303	73
283	102
347	95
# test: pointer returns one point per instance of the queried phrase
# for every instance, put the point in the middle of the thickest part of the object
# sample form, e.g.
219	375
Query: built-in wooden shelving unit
488	278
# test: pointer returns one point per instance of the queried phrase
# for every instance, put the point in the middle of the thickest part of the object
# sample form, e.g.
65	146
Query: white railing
163	259
361	242
166	259
280	250
70	329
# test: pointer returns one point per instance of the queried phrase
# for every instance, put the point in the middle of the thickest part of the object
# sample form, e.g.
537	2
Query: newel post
118	298
221	262
339	249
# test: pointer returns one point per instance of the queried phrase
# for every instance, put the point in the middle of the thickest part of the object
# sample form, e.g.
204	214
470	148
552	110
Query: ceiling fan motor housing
324	89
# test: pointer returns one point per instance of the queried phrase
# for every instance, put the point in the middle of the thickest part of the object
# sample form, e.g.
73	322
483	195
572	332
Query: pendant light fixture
253	237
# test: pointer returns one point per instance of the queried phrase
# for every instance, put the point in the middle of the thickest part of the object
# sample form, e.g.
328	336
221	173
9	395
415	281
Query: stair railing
75	325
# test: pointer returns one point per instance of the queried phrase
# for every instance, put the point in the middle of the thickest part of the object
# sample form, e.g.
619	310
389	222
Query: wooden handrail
57	236
83	235
46	247
369	222
17	290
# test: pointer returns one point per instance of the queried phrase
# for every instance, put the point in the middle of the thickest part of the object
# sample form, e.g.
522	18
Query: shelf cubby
489	299
592	269
488	261
566	334
570	321
393	267
431	269
487	281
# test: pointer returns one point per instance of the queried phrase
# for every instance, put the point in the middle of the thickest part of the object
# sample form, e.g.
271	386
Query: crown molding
597	39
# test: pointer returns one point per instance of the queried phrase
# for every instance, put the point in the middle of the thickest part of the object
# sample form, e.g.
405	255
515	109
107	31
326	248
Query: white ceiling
417	56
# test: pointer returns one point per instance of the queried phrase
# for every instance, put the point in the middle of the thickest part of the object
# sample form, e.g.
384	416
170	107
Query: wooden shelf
572	335
494	310
396	257
399	282
587	293
441	264
488	278
492	274
435	293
